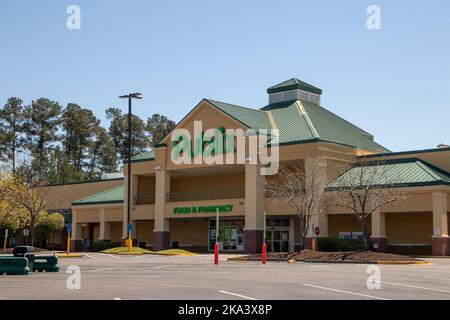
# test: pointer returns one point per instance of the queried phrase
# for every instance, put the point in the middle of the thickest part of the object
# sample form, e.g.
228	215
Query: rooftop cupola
294	89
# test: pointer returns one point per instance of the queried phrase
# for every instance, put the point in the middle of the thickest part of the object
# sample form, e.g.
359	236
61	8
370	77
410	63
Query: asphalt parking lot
195	277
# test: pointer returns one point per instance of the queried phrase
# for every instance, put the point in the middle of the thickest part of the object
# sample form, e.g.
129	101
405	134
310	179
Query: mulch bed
333	257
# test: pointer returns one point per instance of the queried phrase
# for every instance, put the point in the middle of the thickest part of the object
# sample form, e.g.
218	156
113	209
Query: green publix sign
203	209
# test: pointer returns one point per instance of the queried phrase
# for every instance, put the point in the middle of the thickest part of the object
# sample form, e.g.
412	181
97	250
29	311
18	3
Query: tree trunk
363	224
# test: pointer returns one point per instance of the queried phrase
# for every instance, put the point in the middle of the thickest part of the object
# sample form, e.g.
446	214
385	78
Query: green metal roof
293	84
252	118
409	172
145	156
114	195
301	121
298	122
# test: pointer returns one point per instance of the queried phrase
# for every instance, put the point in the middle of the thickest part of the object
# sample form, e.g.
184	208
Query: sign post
264	246
69	230
216	245
26	233
5	241
130	241
317	232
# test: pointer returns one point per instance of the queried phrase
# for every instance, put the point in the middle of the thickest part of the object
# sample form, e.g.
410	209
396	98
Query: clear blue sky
394	83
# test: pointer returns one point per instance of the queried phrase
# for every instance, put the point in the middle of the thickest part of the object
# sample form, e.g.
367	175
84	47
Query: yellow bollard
313	247
68	244
130	243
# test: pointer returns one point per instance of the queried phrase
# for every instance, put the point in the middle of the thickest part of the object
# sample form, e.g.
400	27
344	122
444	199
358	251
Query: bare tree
364	187
302	190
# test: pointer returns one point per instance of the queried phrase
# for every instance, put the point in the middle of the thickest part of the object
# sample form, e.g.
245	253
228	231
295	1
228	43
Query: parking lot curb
72	255
403	262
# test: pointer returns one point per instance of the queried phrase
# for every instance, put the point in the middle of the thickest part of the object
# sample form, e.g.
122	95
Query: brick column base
76	245
253	240
161	240
441	246
379	244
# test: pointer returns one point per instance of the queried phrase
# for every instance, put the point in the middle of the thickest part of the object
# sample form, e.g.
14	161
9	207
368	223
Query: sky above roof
393	83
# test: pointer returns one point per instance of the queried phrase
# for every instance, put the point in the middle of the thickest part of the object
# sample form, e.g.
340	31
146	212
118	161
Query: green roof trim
400	153
408	172
82	182
293	84
145	156
114	195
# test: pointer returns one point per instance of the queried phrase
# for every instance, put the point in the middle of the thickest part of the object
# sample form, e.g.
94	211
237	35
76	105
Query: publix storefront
199	172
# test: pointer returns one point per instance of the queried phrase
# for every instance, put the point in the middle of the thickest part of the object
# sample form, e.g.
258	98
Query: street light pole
130	96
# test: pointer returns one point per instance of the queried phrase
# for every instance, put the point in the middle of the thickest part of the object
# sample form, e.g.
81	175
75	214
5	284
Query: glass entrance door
277	235
231	234
277	240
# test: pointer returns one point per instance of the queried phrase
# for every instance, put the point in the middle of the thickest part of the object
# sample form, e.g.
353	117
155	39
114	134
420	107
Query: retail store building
173	202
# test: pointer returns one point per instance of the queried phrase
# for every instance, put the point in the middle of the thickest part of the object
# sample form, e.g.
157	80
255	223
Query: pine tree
11	129
118	131
103	157
79	126
42	121
158	127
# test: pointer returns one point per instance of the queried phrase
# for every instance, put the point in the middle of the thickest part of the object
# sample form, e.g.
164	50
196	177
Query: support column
378	237
440	239
161	233
105	227
76	242
316	172
254	208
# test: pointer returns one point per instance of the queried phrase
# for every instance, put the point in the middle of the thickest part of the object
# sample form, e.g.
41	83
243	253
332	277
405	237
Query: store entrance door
277	235
231	234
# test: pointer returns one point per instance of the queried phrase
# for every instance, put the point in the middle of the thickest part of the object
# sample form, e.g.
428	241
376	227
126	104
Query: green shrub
350	245
98	246
328	244
338	244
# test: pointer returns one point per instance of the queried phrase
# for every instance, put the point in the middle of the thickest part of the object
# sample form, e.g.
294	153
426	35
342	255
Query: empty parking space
195	277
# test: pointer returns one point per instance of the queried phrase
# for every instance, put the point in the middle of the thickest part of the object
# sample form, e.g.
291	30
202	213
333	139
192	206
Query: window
351	235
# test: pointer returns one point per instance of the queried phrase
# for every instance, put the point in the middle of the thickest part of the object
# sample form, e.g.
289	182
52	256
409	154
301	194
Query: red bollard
216	253
264	253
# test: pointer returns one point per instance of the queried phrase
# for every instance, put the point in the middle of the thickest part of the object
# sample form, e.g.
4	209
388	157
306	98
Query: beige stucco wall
64	195
144	231
189	232
338	223
116	231
409	228
143	212
146	185
208	182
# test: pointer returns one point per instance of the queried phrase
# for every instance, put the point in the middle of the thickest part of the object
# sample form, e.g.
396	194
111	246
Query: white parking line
347	292
162	267
97	270
415	287
237	295
113	256
92	257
